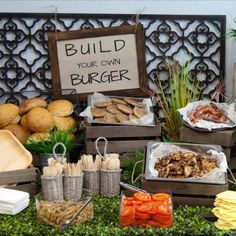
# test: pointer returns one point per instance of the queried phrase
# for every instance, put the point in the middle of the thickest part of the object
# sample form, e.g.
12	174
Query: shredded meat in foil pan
184	165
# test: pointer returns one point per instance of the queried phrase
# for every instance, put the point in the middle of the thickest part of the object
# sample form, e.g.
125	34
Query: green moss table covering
187	221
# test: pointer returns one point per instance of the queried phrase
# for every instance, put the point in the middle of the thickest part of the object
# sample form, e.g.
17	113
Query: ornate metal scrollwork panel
25	65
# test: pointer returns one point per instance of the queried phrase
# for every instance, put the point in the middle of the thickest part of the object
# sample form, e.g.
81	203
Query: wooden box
121	138
184	193
24	180
192	194
225	138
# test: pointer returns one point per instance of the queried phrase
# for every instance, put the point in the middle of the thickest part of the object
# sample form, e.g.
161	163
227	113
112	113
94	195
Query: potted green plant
181	91
42	148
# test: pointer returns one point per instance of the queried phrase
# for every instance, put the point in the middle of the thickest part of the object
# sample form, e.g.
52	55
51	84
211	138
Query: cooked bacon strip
208	112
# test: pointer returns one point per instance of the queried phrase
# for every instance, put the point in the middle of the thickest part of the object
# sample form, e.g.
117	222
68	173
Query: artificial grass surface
187	221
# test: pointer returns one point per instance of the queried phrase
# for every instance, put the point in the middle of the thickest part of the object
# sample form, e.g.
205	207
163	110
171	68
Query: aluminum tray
92	121
198	148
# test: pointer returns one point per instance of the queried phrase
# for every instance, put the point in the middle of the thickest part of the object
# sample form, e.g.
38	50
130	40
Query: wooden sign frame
137	31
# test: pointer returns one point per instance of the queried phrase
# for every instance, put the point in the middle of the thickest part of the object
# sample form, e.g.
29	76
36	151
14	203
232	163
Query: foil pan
219	178
150	122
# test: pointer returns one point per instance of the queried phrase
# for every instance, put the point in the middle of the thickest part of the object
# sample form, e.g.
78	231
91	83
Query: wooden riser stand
184	193
24	180
192	194
225	138
121	138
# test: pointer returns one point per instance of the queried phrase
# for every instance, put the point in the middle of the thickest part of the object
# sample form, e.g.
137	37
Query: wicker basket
91	181
52	187
110	183
73	187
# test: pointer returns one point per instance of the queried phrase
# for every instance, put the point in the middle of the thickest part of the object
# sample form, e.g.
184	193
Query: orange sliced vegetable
162	218
129	198
127	221
137	202
153	223
143	216
145	197
163	209
139	221
145	207
127	211
160	196
131	202
127	202
153	210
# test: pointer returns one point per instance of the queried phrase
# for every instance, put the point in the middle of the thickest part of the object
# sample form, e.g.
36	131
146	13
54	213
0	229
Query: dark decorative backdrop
25	65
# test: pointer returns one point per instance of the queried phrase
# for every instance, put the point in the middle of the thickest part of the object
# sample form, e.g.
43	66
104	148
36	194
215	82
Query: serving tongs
132	188
68	222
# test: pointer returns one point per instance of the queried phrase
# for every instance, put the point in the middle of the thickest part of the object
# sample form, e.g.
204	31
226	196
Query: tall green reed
181	91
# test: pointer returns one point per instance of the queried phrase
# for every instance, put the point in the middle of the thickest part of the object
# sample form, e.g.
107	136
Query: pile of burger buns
34	118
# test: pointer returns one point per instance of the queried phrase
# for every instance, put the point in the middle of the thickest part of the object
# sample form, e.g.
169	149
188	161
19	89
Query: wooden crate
192	194
184	193
24	180
225	138
121	138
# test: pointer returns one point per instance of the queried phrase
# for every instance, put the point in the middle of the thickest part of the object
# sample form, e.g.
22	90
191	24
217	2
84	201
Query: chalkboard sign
108	60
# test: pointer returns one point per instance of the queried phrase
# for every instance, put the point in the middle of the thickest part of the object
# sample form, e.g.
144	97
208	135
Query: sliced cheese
224	225
13	155
227	196
225	209
224	214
